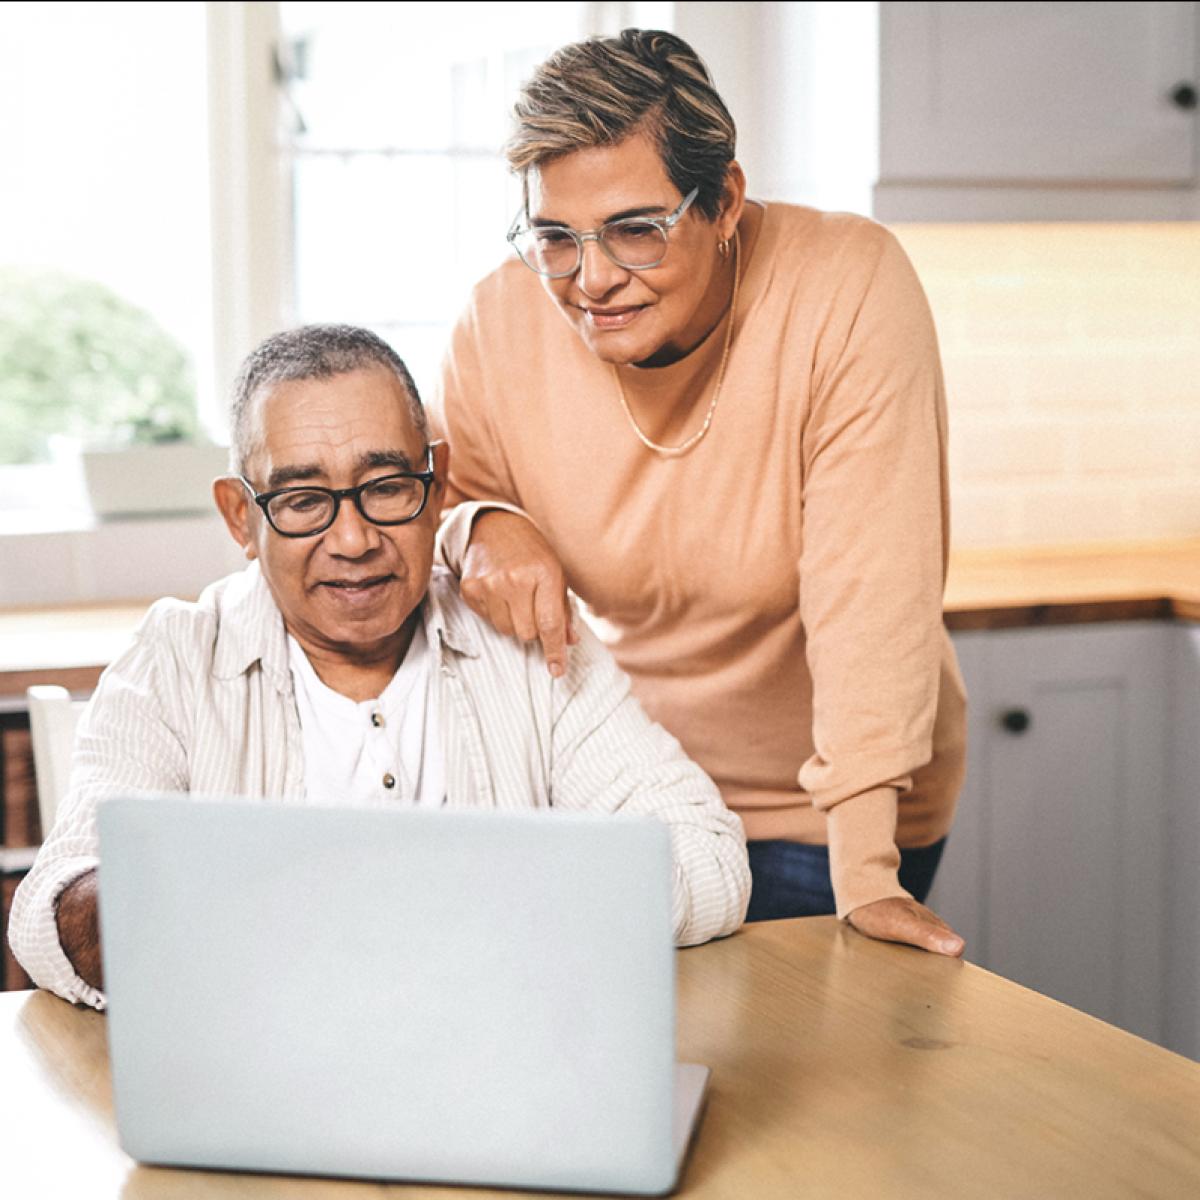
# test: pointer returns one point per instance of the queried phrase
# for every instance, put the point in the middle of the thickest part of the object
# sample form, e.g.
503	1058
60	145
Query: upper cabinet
1038	111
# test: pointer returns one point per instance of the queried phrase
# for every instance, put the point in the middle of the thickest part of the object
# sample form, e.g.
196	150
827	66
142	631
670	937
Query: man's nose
598	274
351	535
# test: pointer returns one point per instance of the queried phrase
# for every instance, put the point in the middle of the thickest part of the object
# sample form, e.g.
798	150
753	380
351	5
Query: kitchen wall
1072	359
1072	351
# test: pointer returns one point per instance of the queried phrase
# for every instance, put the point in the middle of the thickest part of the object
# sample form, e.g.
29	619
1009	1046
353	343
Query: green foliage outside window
77	359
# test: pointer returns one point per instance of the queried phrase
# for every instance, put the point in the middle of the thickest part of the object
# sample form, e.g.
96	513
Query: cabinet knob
1015	720
1183	95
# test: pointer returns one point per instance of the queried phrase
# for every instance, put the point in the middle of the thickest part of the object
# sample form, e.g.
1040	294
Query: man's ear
233	501
441	472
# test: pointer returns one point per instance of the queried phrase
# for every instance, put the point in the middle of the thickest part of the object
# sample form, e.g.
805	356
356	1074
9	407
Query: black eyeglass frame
337	495
579	236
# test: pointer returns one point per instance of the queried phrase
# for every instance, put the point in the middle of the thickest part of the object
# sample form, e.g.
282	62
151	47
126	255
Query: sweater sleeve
873	557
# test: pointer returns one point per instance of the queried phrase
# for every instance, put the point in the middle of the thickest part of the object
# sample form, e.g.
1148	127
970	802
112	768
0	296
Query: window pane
398	239
402	199
104	181
422	76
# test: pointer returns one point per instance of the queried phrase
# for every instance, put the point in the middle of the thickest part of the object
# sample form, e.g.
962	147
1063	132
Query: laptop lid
452	996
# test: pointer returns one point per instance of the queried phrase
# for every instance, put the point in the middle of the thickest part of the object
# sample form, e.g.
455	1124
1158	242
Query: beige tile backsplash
1072	358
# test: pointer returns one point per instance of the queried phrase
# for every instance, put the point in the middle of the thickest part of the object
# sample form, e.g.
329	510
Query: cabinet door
959	892
1066	809
1021	95
1182	1015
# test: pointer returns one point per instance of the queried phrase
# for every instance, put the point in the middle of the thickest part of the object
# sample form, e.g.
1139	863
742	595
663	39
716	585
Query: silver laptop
454	996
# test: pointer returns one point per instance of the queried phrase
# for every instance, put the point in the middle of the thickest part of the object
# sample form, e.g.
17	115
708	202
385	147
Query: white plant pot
171	477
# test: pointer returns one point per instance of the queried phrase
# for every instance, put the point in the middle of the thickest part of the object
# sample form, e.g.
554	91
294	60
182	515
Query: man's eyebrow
646	210
305	472
386	458
282	476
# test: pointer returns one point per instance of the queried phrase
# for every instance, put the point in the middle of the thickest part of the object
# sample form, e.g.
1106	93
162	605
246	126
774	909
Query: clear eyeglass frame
520	238
335	496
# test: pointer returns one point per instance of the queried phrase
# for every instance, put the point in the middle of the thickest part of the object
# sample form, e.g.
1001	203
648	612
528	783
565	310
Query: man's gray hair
310	352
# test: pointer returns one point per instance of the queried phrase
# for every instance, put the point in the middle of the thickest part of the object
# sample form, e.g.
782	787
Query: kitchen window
234	169
104	189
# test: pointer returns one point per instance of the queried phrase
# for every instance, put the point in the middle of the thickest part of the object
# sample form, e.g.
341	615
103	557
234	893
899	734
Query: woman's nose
598	274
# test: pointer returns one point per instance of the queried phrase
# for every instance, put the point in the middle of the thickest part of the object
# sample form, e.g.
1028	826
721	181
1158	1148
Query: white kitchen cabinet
1038	111
1182	1010
1057	869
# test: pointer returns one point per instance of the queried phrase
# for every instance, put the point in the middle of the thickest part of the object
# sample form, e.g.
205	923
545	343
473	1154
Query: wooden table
841	1068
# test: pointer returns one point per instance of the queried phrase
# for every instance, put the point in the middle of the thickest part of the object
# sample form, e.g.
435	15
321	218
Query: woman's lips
612	318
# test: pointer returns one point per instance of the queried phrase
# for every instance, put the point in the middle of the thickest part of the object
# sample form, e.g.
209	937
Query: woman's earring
723	247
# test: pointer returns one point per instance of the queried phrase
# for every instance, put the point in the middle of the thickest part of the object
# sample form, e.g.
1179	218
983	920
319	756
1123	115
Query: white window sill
18	522
24	522
71	557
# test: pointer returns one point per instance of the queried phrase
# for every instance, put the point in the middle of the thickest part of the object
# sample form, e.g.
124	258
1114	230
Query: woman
733	450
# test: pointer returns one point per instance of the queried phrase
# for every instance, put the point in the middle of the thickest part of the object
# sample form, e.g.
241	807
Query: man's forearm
78	918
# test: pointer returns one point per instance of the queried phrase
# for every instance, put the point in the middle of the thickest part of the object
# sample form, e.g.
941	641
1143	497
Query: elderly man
340	668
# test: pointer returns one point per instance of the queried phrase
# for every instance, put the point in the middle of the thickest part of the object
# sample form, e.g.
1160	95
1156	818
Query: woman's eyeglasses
635	243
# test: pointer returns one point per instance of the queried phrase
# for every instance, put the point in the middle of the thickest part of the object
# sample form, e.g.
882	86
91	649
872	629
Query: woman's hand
514	580
899	919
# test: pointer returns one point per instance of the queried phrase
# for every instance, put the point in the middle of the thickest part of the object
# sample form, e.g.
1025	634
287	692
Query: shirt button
389	780
377	720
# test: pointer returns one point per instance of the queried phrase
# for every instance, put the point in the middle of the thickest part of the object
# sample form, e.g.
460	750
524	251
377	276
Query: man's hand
899	919
78	919
514	580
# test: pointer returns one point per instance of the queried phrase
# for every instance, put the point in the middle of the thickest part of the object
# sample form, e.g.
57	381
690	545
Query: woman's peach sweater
776	593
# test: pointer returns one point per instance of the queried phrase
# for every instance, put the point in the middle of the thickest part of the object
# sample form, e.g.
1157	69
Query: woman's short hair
600	91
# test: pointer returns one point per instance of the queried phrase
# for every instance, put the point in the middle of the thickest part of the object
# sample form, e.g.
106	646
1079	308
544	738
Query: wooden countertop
990	589
67	645
841	1068
987	589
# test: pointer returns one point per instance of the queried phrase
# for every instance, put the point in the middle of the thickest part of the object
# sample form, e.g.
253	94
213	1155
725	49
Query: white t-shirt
386	751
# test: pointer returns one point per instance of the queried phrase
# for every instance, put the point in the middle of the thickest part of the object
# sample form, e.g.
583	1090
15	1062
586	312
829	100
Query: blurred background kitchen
179	180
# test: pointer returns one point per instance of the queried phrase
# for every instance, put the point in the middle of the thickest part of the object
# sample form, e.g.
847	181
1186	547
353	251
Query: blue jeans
792	879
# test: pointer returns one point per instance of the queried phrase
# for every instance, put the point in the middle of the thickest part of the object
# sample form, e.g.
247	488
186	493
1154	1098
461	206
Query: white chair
52	718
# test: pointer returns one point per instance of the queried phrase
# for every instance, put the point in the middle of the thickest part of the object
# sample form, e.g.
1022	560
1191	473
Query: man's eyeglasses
306	511
635	243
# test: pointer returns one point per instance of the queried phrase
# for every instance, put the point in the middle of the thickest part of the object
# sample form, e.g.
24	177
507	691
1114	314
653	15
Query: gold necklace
684	447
